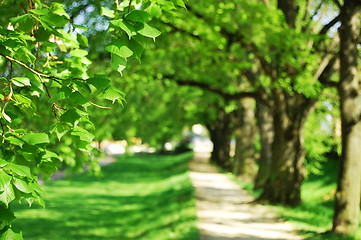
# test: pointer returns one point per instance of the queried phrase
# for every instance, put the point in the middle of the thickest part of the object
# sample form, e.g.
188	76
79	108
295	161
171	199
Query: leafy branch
36	72
56	79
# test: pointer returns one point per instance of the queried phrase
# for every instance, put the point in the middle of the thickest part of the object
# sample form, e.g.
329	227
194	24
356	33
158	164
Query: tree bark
283	186
220	133
290	10
265	127
244	159
347	204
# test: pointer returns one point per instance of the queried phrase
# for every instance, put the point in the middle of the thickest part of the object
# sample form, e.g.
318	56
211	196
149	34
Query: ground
225	211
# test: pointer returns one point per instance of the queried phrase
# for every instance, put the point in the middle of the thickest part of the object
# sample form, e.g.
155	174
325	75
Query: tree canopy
77	72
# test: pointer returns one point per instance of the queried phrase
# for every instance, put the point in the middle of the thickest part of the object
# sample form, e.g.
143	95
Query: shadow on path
224	209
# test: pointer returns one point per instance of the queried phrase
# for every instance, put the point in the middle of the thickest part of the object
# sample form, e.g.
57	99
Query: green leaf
7	216
126	27
136	48
54	20
8	195
23	100
78	98
168	6
137	16
15	141
80	27
25	54
78	53
20	170
37	189
82	40
154	10
5	180
42	34
83	134
36	138
59	9
112	95
5	116
11	235
149	31
25	22
48	167
21	81
20	18
60	130
40	11
70	116
117	47
22	186
106	12
83	87
39	201
3	163
179	3
118	63
51	155
63	93
99	81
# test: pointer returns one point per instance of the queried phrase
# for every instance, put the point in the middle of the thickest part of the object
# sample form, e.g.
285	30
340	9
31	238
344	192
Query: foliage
47	87
139	197
321	140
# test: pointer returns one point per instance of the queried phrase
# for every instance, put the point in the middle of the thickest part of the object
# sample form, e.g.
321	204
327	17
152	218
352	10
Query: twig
177	29
38	73
11	70
130	3
53	109
10	128
3	130
98	106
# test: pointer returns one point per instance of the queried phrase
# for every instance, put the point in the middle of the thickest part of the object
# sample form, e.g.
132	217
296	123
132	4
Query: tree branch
328	60
305	15
327	71
329	25
38	73
223	94
304	28
177	29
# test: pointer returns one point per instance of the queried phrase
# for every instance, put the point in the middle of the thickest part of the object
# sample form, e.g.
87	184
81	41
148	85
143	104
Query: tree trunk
244	159
287	163
220	133
265	127
347	205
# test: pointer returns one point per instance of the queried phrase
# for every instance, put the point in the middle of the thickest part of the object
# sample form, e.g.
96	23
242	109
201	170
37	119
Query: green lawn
139	197
314	215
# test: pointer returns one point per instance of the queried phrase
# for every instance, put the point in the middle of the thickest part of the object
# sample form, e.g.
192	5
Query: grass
313	217
140	197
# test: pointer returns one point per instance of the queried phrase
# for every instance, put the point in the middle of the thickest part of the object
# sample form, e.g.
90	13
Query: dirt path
224	211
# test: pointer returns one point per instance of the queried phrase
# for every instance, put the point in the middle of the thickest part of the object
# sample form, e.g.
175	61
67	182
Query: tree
279	40
347	207
265	127
244	163
45	69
